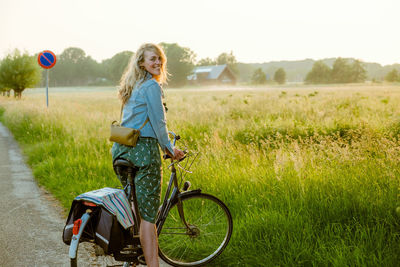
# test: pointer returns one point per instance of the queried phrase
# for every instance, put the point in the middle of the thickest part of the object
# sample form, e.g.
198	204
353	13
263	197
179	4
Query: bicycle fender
73	247
188	193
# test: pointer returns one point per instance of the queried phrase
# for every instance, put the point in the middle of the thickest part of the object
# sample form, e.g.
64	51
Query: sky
256	31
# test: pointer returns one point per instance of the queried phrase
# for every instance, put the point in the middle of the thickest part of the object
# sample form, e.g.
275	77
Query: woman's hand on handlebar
179	154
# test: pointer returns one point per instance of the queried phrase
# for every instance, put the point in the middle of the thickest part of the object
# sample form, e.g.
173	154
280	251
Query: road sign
47	59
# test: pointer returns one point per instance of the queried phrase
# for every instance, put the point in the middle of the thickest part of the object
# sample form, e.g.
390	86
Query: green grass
310	175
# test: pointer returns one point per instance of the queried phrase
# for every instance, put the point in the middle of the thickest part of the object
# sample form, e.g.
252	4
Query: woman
141	97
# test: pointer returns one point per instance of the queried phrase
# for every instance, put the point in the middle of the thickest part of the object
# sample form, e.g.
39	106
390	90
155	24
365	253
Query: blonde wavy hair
135	73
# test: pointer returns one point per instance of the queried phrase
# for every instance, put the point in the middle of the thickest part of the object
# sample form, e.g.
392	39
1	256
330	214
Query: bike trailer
111	218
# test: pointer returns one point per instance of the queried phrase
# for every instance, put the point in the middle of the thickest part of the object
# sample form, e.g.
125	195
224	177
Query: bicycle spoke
175	248
209	212
184	252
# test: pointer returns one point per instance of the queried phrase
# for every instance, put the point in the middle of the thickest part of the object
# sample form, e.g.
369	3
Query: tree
228	59
4	90
206	62
320	73
19	71
341	71
75	68
392	76
258	77
180	63
115	66
91	71
358	72
67	71
280	76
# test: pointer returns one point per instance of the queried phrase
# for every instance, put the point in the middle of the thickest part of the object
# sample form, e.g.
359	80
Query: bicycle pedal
130	249
142	260
131	256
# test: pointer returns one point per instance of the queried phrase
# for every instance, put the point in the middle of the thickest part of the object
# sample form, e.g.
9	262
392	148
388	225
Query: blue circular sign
47	59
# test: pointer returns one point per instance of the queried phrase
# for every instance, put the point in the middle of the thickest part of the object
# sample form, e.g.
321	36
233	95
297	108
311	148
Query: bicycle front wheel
206	236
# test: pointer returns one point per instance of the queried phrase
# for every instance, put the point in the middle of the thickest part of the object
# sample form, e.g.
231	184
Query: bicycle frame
131	194
172	197
175	196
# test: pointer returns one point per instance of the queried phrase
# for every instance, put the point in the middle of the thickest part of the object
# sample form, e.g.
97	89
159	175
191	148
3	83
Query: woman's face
152	63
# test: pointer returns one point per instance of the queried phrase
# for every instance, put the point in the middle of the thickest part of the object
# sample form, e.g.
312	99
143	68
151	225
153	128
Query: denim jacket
146	102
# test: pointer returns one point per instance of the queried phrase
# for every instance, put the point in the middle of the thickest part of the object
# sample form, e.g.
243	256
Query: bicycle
193	227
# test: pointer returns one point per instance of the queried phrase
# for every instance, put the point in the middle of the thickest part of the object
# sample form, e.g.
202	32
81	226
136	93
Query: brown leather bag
124	135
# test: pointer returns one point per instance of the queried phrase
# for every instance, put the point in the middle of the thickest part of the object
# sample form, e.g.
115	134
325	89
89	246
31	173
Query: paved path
31	224
30	228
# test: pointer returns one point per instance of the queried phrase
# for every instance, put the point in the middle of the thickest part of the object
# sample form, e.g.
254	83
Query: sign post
47	60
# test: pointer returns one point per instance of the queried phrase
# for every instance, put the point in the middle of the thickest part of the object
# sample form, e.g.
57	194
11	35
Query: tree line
341	72
74	67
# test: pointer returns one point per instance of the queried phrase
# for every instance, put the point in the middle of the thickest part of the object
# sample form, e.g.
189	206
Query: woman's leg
148	239
148	191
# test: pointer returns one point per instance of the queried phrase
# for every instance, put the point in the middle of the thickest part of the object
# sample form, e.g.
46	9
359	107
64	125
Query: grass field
310	173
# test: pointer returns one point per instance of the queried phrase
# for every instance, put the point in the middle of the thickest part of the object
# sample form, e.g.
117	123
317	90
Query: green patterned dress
146	157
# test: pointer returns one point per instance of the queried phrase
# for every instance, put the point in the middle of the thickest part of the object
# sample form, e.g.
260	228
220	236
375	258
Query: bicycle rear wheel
210	228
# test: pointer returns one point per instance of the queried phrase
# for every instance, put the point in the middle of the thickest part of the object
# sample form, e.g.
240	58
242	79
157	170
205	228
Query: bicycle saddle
123	163
122	167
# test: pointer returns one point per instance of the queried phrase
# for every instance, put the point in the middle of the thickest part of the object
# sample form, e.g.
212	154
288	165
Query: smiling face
152	62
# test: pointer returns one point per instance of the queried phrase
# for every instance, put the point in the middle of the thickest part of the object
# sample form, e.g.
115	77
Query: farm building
218	74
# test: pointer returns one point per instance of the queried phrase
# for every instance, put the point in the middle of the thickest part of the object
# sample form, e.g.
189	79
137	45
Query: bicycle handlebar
176	137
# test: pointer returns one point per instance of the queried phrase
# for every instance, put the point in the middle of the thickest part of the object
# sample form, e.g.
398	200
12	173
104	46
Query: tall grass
311	175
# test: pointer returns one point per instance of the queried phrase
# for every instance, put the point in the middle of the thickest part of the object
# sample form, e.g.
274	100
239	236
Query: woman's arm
157	117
